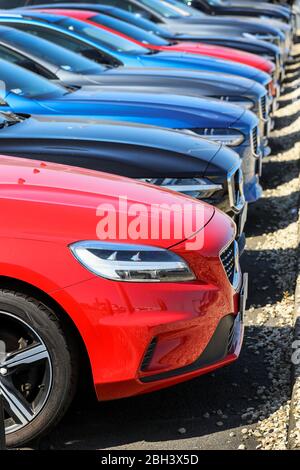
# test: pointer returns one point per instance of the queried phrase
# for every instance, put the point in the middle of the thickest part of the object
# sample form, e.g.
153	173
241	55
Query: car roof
32	14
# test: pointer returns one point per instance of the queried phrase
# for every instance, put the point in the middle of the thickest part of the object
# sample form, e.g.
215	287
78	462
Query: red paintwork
219	52
45	207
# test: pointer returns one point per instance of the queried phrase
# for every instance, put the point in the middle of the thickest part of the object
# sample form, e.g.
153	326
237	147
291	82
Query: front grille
254	140
238	185
263	106
228	260
149	355
236	190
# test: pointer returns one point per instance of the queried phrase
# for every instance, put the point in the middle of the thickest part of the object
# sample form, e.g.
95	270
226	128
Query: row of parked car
133	135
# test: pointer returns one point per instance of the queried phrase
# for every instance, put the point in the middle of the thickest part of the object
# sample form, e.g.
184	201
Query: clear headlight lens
239	101
244	104
263	37
200	188
131	263
230	137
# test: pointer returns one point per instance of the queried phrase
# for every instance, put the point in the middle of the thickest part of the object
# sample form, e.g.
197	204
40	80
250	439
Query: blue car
108	48
28	93
61	65
252	45
178	17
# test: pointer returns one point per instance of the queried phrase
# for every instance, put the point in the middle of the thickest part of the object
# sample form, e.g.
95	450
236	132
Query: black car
240	8
175	160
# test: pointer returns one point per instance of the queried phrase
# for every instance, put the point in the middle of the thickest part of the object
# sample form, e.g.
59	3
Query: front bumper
141	338
222	349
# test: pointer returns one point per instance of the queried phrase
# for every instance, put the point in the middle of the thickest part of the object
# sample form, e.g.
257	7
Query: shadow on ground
157	418
285	121
289	89
269	268
284	143
287	102
292	77
277	172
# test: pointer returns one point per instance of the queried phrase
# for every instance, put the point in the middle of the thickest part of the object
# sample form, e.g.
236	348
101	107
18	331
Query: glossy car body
116	321
180	18
240	8
166	158
286	27
59	64
262	48
27	93
193	15
154	42
115	50
104	22
276	11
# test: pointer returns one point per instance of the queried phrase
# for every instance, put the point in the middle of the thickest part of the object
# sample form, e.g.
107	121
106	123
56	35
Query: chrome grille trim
229	258
263	108
235	181
255	142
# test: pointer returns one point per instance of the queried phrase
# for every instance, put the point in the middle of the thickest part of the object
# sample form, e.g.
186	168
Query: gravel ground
246	405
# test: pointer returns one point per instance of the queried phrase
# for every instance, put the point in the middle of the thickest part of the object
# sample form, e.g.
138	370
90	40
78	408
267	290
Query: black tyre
38	368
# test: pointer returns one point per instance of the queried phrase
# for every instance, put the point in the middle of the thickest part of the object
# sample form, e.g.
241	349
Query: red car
139	314
220	52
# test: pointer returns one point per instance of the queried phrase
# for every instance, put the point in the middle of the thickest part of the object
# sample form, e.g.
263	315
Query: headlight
131	263
271	58
230	137
238	101
200	188
263	37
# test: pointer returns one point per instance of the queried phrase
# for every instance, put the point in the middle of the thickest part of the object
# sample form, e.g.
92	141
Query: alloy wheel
25	372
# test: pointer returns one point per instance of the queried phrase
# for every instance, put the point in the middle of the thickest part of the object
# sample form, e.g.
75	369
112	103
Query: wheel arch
10	283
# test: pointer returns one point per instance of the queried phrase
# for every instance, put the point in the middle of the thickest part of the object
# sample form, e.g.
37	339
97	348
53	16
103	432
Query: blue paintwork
255	46
138	56
30	94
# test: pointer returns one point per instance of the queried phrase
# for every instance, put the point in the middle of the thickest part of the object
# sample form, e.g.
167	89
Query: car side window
49	35
12	3
39	2
72	44
130	7
25	62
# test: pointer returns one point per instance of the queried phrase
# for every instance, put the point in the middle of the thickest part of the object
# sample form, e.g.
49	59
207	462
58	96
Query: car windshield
210	2
129	30
56	55
166	9
102	37
136	20
216	2
21	82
